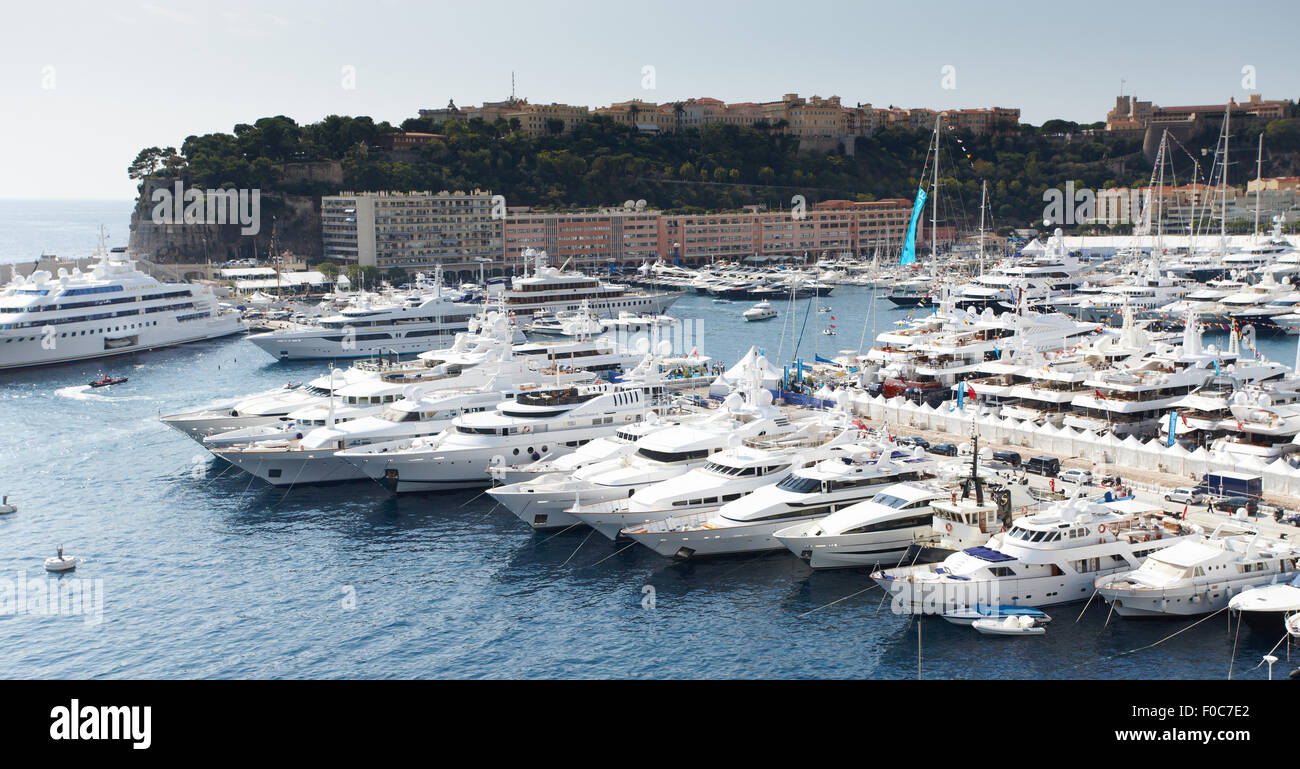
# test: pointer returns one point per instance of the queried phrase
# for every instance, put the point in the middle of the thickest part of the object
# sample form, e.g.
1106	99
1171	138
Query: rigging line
1148	646
1270	651
471	499
556	534
301	466
229	465
611	555
1236	636
576	549
1085	607
845	598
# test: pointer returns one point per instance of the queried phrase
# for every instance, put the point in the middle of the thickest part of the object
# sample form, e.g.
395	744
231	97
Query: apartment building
410	229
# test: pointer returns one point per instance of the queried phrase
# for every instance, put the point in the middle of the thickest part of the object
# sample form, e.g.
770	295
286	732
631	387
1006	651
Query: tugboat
105	381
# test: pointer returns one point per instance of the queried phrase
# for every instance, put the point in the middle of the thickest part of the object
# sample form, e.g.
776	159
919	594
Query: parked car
946	449
1075	475
1045	466
1009	457
913	440
1185	494
1230	505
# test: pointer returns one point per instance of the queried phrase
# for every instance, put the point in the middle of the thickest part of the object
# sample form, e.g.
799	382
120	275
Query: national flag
1099	395
970	390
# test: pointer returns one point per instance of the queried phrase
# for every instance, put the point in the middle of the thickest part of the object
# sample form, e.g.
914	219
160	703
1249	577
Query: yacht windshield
889	500
799	484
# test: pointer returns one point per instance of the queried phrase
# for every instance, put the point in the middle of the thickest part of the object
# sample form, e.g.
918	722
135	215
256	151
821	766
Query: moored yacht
532	425
1043	559
853	473
1201	574
114	309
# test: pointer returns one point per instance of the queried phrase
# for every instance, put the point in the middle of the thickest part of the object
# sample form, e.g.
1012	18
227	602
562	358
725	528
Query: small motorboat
106	380
825	308
60	562
828	331
1017	625
5	507
967	616
761	311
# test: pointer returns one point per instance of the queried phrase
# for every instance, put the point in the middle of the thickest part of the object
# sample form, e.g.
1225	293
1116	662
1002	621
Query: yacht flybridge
113	309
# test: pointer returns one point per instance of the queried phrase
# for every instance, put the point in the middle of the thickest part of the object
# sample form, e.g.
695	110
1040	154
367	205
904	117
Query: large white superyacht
552	290
113	309
417	323
532	425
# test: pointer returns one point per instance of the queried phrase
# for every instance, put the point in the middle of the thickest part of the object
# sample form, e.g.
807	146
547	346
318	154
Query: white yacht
854	473
1028	283
761	311
1200	575
266	408
867	534
1043	559
1130	399
416	324
1263	423
305	451
554	291
114	309
1268	601
688	443
532	425
748	464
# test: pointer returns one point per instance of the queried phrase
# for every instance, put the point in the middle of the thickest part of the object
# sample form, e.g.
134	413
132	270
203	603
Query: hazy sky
85	85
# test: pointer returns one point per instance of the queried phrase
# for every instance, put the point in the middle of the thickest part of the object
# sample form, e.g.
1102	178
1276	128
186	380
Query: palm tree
679	113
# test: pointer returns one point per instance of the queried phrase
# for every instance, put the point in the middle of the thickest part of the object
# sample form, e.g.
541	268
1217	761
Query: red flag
832	317
1099	395
970	390
1184	512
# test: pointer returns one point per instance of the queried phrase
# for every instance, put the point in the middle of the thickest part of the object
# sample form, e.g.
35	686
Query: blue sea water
209	573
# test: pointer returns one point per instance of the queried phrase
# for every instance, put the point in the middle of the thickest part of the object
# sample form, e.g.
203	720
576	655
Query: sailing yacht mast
1160	193
1223	181
1259	181
984	190
934	198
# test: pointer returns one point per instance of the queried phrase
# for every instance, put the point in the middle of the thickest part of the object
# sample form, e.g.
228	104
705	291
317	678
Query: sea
189	568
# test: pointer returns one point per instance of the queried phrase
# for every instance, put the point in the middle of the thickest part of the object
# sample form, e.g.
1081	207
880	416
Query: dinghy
5	507
968	616
60	562
1012	625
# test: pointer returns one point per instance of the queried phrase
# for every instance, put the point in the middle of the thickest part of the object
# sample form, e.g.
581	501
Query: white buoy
60	562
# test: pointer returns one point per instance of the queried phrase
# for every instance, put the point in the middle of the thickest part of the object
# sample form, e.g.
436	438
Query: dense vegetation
715	167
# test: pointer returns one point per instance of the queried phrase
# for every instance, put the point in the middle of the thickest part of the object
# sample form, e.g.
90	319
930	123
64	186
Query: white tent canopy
725	381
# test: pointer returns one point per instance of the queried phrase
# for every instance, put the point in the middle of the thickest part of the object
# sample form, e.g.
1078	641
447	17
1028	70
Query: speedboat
106	380
1012	625
5	507
761	311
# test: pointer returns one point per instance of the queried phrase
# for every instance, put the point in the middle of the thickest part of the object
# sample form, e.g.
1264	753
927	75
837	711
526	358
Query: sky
86	85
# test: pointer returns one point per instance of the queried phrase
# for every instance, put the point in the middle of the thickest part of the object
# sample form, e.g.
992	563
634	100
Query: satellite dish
665	348
764	397
732	402
642	346
652	417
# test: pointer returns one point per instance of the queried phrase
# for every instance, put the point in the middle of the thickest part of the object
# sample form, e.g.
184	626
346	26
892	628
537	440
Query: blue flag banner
820	359
1173	425
909	245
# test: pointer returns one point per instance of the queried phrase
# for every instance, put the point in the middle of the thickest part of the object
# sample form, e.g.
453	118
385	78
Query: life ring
1101	528
948	526
526	429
